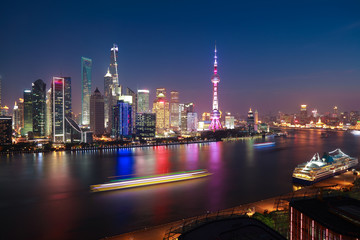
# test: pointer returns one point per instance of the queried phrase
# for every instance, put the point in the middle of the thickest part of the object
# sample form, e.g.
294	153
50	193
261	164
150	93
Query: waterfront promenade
343	181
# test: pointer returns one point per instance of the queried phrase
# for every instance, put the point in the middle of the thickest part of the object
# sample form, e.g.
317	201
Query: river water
46	195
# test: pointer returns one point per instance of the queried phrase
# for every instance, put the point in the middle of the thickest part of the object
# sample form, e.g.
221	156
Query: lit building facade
186	108
215	114
251	122
162	111
192	122
39	108
174	110
145	125
326	218
134	100
60	108
143	101
206	116
107	97
113	64
86	65
28	116
122	122
48	128
5	130
303	114
97	113
229	122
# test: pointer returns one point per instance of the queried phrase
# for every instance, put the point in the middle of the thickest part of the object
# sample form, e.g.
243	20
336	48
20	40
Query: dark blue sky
273	55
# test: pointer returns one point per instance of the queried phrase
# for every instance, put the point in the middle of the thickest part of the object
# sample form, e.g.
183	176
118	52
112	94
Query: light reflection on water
53	188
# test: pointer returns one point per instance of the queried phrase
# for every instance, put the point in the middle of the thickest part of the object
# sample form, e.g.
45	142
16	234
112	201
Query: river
46	195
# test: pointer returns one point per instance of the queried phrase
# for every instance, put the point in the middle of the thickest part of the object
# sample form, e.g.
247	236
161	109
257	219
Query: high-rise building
145	125
134	100
303	113
48	128
60	103
28	116
185	109
67	99
21	112
58	109
113	64
107	97
122	123
206	116
143	101
161	108
215	114
174	110
4	111
229	122
16	117
39	108
97	113
5	130
86	64
192	122
251	121
256	117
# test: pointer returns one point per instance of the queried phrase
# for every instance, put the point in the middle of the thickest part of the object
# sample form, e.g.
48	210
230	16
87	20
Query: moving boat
317	169
152	180
264	144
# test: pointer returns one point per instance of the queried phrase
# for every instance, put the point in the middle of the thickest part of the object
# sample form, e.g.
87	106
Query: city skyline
268	65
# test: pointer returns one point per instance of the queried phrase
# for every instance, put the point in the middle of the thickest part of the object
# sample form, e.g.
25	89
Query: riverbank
343	181
97	148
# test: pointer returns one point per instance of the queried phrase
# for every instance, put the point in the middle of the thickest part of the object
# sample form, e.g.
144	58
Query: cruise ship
318	169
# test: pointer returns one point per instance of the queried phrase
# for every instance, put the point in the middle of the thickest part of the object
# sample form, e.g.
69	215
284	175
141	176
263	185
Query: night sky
273	55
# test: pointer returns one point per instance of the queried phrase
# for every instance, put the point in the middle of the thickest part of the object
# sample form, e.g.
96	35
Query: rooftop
340	214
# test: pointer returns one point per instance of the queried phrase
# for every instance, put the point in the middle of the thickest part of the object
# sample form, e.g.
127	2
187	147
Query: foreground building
5	130
145	125
86	64
162	111
122	120
97	113
327	218
174	110
143	101
28	117
39	108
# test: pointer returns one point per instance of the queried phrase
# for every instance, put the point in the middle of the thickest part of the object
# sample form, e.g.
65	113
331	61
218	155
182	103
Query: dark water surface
46	196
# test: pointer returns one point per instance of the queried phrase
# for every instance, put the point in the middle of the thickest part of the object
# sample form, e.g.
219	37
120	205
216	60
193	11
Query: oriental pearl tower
215	114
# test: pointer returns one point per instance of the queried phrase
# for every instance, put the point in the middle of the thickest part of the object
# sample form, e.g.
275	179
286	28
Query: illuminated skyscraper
60	107
107	97
5	130
250	121
39	108
134	100
0	89
185	109
192	122
97	113
174	110
86	64
113	64
145	125
303	114
28	116
16	117
48	128
161	108
229	122
122	123
67	98
215	114
143	101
